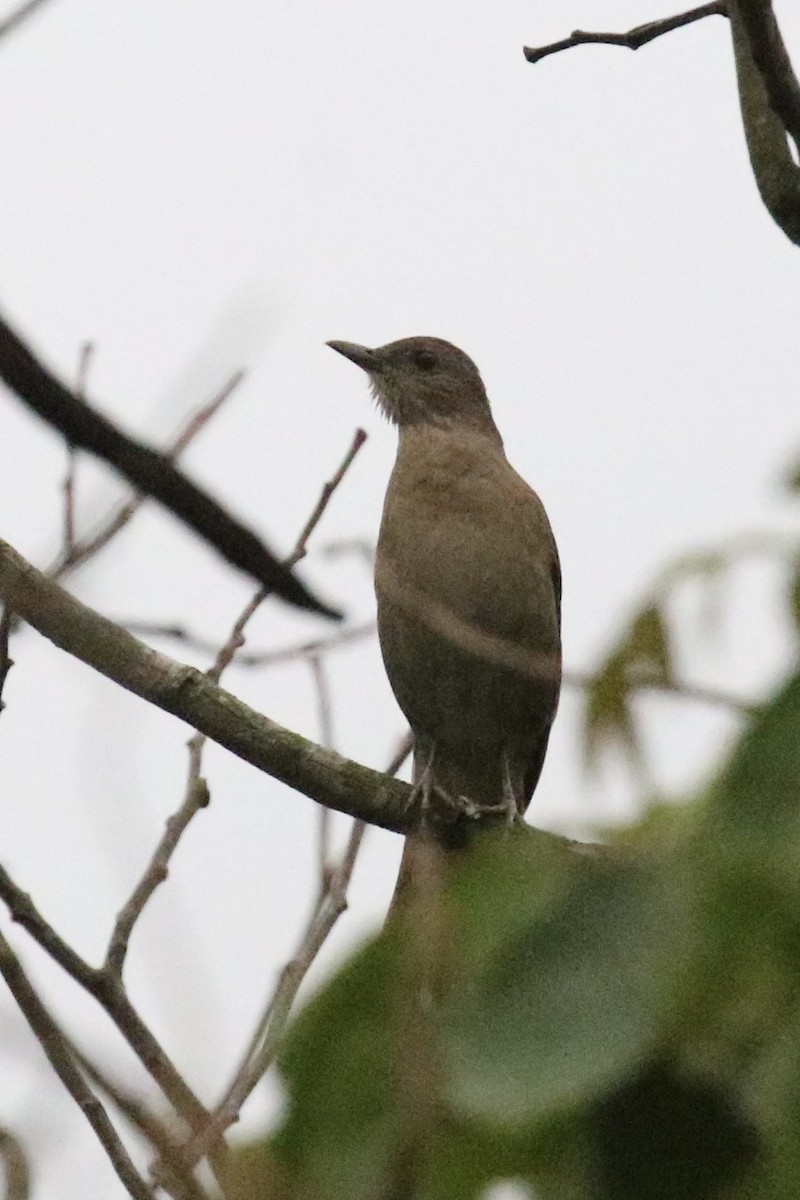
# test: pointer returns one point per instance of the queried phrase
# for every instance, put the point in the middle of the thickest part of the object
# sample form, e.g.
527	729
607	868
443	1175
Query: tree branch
633	39
770	56
73	556
196	797
146	469
268	1035
776	173
16	18
173	1172
50	1039
344	636
107	989
197	794
15	1165
191	696
6	662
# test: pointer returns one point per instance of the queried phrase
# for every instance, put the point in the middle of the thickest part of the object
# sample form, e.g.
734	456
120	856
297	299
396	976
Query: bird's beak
362	356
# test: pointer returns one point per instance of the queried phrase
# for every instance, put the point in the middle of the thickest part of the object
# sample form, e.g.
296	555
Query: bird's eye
426	360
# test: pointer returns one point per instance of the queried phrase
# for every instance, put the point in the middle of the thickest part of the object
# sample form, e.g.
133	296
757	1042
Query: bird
467	581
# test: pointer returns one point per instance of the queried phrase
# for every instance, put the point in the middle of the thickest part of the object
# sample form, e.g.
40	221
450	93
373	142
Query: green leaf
339	1132
556	1007
794	596
605	1026
756	799
642	655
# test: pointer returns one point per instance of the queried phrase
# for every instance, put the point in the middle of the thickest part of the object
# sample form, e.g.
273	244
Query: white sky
196	186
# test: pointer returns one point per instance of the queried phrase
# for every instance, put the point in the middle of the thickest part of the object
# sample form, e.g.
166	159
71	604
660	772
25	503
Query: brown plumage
467	581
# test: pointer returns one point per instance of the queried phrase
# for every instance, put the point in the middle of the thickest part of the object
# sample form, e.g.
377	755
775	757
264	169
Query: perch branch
191	696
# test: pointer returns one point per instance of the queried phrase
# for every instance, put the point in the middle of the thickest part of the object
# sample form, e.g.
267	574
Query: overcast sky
197	186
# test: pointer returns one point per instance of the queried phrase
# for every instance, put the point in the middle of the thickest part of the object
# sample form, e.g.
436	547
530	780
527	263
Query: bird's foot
422	790
510	805
472	810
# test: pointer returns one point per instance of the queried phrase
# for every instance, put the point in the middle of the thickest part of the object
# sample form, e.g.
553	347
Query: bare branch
191	696
196	797
320	774
672	687
772	60
52	1042
327	491
146	469
68	560
15	1165
268	1035
197	794
6	663
68	487
633	39
106	988
173	1172
15	19
356	633
254	658
325	718
776	173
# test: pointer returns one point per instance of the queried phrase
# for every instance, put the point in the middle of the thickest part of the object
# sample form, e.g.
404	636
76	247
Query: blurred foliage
622	1023
643	655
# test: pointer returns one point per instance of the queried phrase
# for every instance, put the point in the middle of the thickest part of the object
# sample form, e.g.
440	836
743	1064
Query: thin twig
68	492
236	638
15	1166
632	40
196	795
328	489
356	633
6	662
146	470
253	658
235	641
68	487
173	1172
268	1034
195	798
194	698
325	725
107	989
52	1042
15	19
120	516
673	687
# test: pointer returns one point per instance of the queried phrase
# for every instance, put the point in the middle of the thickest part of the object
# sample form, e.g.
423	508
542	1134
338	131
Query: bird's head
423	380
